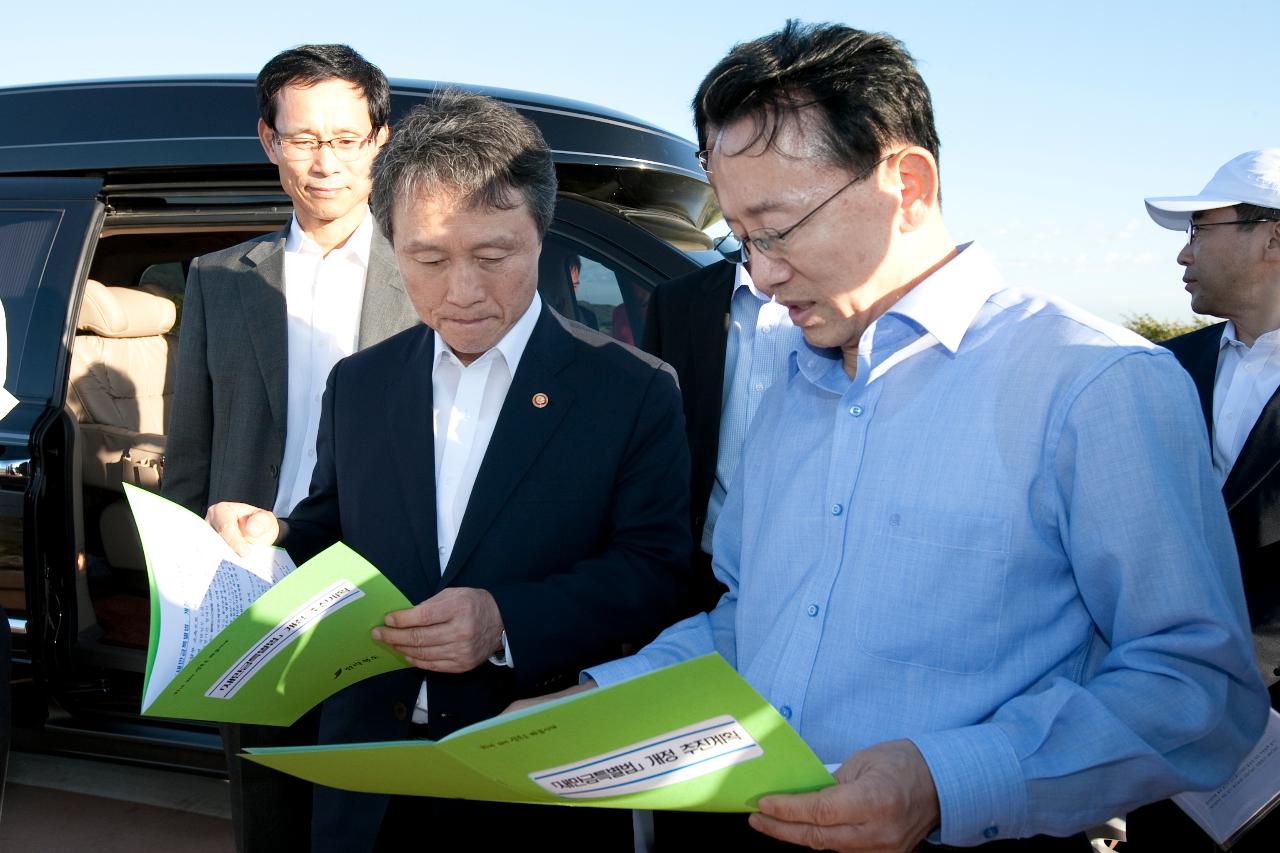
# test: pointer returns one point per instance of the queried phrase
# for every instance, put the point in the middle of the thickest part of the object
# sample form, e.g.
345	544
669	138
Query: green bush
1161	330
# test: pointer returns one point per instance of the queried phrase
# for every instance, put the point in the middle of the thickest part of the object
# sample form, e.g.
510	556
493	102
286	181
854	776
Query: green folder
693	736
253	640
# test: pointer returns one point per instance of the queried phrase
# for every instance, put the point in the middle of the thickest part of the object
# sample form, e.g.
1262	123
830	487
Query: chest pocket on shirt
933	594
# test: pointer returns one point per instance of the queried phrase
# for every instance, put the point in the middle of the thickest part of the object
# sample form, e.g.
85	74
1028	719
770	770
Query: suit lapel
262	300
520	434
409	421
1203	367
383	311
708	341
1259	456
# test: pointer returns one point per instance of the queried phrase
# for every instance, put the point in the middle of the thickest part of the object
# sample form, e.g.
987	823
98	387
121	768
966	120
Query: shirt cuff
503	658
616	670
982	795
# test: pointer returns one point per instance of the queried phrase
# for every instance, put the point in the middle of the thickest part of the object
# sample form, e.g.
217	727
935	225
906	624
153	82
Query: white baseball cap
1251	178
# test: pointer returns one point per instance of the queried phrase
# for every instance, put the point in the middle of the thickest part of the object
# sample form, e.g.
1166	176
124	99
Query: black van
110	188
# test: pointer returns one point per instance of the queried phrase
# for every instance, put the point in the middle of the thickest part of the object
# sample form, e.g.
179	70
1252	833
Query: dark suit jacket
577	525
1252	494
687	327
226	425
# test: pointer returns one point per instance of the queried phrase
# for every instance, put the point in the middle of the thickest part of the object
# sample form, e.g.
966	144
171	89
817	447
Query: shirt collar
946	303
512	345
1230	338
357	246
742	278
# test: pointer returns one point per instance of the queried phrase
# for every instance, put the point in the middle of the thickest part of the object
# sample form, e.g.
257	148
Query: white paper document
200	583
1228	812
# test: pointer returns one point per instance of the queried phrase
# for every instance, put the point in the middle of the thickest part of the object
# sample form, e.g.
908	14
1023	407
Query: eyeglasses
1193	227
345	148
771	242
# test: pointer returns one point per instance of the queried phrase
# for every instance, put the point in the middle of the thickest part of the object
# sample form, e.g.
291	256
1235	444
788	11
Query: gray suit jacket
226	425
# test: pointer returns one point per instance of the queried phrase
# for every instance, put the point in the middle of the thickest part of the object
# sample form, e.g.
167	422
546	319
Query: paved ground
54	804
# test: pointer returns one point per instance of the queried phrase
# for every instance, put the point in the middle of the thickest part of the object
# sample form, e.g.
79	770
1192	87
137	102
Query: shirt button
812	610
836	509
759	387
785	711
991	832
312	453
766	329
856	411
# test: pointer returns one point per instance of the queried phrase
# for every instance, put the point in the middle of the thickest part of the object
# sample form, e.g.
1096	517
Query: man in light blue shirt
975	552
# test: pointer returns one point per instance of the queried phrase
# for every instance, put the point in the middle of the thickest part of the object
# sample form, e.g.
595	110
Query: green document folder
253	640
693	736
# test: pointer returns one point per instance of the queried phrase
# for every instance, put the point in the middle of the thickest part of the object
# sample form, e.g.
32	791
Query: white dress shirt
1247	378
323	296
465	403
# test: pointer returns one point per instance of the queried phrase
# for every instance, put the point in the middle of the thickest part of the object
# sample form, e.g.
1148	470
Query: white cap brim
1174	212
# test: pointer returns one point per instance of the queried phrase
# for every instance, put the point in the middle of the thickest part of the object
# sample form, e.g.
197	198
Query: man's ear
380	138
917	175
1272	250
265	136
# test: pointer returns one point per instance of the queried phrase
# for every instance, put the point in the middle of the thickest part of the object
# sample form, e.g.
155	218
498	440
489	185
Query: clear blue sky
1056	119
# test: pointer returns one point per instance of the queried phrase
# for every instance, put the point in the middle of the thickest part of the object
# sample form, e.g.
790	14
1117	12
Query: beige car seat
121	381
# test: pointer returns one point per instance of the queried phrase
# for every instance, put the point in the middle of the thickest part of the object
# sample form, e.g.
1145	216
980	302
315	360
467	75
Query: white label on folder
336	596
673	757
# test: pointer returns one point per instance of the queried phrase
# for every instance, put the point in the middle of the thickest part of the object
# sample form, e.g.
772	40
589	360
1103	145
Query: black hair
865	86
460	144
309	64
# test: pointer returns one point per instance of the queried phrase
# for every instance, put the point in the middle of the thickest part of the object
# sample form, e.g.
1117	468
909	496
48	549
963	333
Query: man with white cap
1232	261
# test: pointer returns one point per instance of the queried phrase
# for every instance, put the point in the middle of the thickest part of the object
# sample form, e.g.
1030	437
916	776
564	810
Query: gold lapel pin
540	400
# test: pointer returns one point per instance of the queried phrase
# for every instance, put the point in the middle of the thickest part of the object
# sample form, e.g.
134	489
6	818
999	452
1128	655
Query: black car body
123	182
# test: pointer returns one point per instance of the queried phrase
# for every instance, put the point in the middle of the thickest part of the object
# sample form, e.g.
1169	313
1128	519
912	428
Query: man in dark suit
451	457
727	343
263	323
1232	261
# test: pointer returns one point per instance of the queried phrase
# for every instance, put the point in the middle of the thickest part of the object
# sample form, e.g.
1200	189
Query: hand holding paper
247	638
534	701
885	800
455	630
243	526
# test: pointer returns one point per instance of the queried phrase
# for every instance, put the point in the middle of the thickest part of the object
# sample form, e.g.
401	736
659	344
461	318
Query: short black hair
471	146
865	86
1253	211
309	64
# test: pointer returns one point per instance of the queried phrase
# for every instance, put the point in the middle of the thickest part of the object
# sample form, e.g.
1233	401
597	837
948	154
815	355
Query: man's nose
768	273
463	286
324	161
1186	256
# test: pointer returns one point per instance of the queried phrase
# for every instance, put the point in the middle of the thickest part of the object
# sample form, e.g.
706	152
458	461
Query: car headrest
124	312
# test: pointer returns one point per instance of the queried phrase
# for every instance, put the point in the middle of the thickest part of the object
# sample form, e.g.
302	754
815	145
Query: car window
25	240
586	285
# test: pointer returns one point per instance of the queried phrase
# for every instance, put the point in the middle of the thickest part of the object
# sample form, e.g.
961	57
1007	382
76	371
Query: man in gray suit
264	322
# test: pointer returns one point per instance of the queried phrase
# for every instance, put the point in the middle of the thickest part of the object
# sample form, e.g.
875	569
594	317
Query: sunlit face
470	272
836	264
324	189
1224	269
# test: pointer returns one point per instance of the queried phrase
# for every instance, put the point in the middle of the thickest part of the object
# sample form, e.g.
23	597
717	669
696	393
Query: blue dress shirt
1003	540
